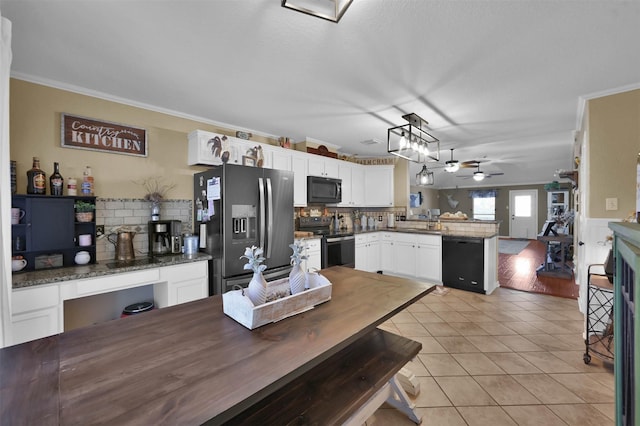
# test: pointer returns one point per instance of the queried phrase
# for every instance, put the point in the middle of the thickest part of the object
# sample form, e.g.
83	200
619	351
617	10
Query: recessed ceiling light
371	142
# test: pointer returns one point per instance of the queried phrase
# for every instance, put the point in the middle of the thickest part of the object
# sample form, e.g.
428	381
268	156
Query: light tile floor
510	358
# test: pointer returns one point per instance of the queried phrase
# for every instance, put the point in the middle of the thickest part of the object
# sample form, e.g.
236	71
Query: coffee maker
165	237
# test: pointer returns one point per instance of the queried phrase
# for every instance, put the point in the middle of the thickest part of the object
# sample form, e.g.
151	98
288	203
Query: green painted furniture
626	248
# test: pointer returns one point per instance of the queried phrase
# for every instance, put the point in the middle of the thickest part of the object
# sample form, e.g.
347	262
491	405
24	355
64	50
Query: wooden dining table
190	363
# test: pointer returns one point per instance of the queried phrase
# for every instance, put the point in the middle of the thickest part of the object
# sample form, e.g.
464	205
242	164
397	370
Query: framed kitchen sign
87	133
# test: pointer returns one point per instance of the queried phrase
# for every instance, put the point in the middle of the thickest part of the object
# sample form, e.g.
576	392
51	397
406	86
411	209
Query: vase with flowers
156	193
297	277
257	289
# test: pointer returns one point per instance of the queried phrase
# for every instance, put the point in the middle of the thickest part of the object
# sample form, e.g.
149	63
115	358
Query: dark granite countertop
108	267
456	233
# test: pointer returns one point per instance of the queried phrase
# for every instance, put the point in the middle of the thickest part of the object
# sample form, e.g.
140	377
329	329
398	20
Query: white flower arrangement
254	256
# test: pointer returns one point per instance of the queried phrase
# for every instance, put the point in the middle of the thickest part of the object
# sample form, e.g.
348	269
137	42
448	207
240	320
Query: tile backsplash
134	214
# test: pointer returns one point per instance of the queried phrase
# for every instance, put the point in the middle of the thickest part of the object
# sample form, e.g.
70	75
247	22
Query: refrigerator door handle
262	211
269	216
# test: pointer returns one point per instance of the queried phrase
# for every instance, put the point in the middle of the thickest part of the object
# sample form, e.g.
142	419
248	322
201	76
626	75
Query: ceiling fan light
452	166
478	176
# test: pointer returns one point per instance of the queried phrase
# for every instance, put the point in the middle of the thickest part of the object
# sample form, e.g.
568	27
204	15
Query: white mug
84	240
18	264
16	215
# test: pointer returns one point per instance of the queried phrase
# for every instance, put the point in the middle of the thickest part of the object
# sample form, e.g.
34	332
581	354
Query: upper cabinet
352	176
378	186
299	168
323	166
362	186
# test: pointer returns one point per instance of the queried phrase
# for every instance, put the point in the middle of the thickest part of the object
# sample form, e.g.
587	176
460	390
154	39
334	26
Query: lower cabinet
429	257
397	253
368	252
181	284
39	311
387	258
312	251
35	314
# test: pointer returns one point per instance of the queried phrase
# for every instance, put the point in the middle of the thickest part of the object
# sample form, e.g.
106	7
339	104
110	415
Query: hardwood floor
518	271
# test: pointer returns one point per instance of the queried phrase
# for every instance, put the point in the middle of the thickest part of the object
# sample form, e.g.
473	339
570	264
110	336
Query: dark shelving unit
49	229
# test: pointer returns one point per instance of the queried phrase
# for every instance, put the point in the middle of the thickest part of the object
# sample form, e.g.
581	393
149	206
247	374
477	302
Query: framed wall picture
248	161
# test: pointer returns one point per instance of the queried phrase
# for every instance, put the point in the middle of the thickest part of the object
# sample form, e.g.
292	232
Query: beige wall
614	144
400	183
429	199
35	131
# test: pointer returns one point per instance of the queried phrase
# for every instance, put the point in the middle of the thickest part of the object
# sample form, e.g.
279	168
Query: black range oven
337	248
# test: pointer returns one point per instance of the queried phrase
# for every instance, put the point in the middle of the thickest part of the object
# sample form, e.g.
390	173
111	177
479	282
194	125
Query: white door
523	208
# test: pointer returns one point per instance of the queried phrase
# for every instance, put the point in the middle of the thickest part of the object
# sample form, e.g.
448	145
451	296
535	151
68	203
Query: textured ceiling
496	80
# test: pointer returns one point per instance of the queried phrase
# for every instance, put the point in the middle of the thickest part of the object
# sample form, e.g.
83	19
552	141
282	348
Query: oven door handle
337	239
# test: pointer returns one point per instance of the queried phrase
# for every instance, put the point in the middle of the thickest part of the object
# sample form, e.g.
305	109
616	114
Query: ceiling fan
452	165
479	175
472	164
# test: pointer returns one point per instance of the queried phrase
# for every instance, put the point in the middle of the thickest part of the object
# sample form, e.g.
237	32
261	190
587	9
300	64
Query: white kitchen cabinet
387	261
323	166
404	254
344	173
39	311
299	168
357	185
429	258
352	176
312	251
35	314
281	159
416	256
181	284
368	252
378	186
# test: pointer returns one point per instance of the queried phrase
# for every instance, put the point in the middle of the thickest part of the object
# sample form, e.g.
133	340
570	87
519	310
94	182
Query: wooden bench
345	389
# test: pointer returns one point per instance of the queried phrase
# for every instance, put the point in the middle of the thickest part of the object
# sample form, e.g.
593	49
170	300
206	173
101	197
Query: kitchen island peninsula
462	254
191	364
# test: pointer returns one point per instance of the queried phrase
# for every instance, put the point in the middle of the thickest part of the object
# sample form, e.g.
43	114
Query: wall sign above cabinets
87	133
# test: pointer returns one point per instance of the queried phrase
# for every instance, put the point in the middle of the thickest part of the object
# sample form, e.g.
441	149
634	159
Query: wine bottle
36	179
56	182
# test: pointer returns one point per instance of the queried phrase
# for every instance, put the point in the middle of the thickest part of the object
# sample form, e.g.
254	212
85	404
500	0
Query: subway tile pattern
134	214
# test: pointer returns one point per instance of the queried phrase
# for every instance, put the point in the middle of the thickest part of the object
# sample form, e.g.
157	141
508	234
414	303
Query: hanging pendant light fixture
331	10
452	165
412	141
424	177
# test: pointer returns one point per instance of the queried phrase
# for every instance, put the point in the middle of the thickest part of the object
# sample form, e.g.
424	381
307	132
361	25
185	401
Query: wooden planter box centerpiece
280	302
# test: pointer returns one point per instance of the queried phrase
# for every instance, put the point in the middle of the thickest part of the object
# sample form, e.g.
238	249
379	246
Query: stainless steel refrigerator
237	207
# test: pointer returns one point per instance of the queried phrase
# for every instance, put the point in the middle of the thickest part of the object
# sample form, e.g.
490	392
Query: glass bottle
87	182
36	179
56	182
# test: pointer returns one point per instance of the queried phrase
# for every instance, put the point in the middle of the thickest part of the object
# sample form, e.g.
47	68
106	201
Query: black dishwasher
463	263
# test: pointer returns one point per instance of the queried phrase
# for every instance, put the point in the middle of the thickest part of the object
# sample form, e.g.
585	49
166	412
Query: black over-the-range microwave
323	190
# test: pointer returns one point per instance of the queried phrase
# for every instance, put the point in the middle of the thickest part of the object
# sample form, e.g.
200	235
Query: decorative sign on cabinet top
215	149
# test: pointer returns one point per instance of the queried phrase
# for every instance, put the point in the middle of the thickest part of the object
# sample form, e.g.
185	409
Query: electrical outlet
99	230
611	204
